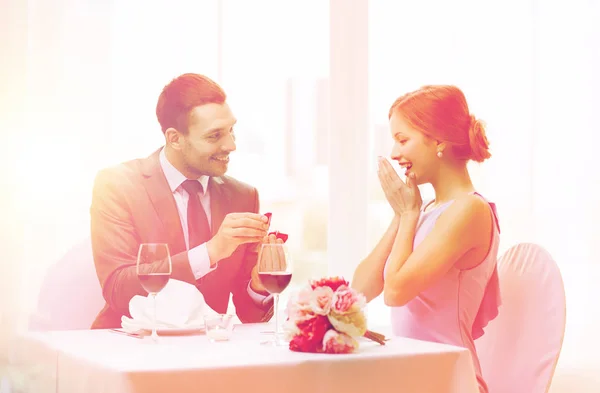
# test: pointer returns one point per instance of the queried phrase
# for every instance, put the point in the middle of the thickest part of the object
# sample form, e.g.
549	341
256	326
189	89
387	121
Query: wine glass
275	273
153	269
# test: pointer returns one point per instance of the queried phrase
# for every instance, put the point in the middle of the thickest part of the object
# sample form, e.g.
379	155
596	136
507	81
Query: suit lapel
219	202
162	199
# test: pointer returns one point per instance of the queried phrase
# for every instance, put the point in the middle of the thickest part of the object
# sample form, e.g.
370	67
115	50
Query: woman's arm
462	227
368	276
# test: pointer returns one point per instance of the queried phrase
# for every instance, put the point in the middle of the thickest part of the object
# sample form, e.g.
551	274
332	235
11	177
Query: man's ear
173	138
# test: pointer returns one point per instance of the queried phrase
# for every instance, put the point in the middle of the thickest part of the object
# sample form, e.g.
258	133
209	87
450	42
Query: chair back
520	348
70	297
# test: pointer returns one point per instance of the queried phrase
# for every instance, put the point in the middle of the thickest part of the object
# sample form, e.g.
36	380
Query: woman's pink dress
455	309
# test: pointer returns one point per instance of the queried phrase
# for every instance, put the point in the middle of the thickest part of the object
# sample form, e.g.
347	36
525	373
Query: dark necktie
198	228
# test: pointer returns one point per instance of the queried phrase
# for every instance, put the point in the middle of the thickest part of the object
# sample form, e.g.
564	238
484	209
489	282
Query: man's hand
236	229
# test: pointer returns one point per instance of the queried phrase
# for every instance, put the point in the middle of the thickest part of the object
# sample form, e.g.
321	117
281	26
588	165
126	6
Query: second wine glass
153	270
275	273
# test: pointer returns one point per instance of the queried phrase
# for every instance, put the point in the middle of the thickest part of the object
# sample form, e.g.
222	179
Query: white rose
321	300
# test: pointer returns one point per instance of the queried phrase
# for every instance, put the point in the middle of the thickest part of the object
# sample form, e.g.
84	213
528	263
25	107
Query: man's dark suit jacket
132	204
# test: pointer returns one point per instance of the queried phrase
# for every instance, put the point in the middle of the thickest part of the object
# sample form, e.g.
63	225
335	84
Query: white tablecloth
102	361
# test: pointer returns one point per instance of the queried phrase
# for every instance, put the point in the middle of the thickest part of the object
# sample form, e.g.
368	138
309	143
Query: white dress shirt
198	256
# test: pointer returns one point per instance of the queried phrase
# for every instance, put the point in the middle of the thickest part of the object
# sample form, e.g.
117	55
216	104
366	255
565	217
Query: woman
436	263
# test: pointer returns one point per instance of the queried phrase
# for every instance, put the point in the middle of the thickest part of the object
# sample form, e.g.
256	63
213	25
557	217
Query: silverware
136	335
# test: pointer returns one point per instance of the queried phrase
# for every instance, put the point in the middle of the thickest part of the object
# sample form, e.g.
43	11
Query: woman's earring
440	154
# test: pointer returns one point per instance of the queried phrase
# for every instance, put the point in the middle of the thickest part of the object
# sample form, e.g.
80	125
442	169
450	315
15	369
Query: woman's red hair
441	112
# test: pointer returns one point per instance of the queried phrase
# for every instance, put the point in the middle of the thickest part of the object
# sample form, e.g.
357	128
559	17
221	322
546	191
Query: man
180	196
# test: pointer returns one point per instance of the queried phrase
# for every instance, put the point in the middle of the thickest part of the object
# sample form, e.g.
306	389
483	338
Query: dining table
105	360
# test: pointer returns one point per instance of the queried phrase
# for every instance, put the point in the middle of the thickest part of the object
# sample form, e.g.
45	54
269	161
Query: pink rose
321	298
299	305
334	342
347	300
304	295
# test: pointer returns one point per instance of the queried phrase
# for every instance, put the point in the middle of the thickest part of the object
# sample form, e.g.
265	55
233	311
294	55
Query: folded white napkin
178	306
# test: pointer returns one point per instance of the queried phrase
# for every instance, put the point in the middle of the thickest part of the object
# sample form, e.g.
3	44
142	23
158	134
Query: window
465	43
153	43
275	65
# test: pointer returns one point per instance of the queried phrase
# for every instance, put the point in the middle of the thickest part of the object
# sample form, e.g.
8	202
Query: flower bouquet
328	316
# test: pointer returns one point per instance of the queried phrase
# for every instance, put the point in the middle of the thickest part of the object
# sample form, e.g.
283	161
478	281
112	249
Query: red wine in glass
275	282
275	274
153	282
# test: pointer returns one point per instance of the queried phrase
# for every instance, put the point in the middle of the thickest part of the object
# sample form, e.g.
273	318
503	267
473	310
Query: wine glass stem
154	334
276	311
